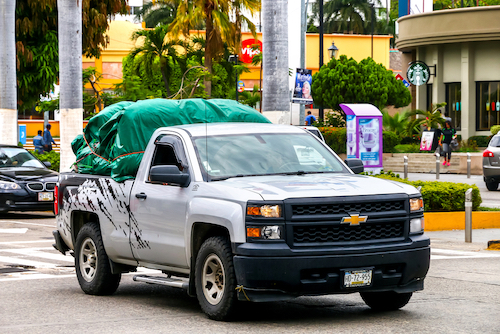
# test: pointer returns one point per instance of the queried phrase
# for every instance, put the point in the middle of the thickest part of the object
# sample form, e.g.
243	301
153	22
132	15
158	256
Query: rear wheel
215	279
92	263
386	301
492	185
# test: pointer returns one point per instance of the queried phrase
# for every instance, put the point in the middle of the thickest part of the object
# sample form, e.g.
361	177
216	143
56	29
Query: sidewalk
455	239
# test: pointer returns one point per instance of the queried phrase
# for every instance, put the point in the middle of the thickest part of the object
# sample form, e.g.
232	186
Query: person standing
38	142
310	119
447	134
47	139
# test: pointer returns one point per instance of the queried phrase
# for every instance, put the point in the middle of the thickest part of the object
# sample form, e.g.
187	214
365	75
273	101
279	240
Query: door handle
141	196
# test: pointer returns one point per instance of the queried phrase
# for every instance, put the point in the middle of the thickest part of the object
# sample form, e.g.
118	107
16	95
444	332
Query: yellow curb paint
440	221
494	247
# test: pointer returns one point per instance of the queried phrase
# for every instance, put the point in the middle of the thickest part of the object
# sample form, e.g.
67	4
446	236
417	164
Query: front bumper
266	278
23	201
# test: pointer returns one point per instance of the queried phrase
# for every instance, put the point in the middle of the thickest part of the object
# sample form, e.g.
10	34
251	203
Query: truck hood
280	187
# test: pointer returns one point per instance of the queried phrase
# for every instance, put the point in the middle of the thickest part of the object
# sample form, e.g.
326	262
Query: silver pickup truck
245	212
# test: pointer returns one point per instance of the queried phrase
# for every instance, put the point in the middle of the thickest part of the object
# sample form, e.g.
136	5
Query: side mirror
169	174
356	165
47	164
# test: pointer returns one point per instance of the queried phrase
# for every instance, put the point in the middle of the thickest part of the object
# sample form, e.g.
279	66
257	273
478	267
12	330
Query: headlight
4	185
264	232
416	225
267	211
416	204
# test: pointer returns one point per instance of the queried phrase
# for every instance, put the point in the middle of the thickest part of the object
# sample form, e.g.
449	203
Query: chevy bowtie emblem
354	220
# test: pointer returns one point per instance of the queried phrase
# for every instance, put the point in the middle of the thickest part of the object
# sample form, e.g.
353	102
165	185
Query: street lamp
235	59
333	50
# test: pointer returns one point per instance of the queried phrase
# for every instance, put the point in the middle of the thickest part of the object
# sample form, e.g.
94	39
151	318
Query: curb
441	221
494	245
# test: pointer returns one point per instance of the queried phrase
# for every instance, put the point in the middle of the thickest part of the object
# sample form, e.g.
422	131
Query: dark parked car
491	164
26	184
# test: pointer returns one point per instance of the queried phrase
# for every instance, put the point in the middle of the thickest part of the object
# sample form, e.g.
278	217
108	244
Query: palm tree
70	77
428	118
350	16
156	45
397	123
157	13
237	7
8	98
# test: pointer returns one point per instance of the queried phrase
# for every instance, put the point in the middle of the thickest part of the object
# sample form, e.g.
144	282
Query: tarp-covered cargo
114	140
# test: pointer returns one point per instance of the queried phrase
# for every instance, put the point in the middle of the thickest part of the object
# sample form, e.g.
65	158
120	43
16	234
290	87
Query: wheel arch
79	219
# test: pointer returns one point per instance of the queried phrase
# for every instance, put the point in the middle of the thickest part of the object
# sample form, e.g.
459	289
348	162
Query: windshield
264	154
17	157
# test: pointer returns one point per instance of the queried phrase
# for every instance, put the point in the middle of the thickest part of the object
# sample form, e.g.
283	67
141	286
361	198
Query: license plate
356	278
45	196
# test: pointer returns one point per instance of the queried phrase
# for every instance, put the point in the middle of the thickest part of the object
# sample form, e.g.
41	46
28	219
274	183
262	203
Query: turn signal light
488	154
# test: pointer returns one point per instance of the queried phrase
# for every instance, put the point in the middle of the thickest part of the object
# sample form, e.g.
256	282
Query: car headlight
264	232
416	204
266	211
5	185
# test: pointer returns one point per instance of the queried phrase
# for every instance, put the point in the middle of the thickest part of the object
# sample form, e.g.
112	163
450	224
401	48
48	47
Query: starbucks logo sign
418	73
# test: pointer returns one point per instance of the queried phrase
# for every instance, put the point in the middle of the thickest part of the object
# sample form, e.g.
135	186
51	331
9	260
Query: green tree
426	118
344	80
396	124
157	13
37	43
157	45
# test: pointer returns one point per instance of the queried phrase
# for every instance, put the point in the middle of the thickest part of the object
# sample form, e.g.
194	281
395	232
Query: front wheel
214	278
492	186
92	264
386	301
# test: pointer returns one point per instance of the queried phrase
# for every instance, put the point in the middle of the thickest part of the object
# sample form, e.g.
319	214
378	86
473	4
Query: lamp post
235	59
333	51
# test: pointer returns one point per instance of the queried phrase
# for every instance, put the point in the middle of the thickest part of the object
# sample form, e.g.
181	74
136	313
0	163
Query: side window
169	151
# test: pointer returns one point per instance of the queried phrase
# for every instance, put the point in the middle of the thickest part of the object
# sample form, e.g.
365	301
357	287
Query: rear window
495	141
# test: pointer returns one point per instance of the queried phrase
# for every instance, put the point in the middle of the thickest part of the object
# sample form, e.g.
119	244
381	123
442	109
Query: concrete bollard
468	165
405	167
468	215
437	165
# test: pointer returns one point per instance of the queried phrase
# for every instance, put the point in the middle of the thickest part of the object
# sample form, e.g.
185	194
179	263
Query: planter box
440	221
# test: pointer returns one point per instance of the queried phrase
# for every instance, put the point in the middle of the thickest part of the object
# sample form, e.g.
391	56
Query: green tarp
114	140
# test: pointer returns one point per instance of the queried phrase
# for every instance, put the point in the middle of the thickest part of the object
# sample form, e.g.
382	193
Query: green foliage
397	123
332	119
157	13
495	129
442	196
389	141
336	138
481	141
347	81
53	157
468	146
425	118
407	148
250	98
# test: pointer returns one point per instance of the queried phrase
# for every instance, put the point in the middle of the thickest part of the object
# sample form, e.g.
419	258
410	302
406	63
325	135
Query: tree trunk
8	92
208	54
70	77
276	95
164	76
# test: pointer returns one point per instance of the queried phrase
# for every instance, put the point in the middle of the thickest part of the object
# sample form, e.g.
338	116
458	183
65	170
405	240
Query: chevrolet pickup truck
237	212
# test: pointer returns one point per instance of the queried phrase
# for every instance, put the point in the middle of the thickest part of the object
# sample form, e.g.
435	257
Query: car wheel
492	186
215	280
92	264
385	301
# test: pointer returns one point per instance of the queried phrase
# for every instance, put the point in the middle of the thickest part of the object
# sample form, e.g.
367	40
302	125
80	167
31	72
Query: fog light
271	232
416	225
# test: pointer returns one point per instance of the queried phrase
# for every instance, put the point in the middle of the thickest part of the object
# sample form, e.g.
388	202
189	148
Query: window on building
454	103
488	105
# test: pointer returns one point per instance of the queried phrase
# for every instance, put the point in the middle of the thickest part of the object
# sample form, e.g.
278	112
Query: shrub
495	129
481	141
441	196
390	140
336	138
468	146
410	140
407	148
53	157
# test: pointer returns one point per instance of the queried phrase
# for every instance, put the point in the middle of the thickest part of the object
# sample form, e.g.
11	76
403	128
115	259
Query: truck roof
202	129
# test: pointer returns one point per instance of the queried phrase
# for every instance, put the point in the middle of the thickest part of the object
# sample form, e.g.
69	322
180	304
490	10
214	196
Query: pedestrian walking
310	119
38	142
447	135
47	139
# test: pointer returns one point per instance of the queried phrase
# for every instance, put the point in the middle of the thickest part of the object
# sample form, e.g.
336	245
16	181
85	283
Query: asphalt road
39	293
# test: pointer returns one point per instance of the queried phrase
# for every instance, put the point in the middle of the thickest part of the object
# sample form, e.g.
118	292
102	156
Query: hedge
494	129
481	141
53	157
441	196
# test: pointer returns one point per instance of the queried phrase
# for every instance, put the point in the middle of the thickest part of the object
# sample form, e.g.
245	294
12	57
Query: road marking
25	242
449	254
24	223
14	230
26	263
38	252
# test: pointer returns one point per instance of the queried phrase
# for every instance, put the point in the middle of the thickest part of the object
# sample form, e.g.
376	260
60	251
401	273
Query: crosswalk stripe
38	252
25	242
24	223
25	262
14	230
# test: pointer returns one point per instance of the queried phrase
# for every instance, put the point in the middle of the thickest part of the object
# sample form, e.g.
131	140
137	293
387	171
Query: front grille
50	186
346	233
35	186
347	208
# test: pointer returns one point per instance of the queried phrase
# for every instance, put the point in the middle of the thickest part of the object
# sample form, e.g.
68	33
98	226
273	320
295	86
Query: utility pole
321	110
303	29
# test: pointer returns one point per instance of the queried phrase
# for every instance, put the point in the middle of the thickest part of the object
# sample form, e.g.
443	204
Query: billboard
303	84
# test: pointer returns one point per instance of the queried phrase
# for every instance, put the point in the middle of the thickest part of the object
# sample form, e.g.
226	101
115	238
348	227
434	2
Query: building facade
461	47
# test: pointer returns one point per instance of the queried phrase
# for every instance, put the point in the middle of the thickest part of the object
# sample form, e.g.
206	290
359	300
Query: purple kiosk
364	135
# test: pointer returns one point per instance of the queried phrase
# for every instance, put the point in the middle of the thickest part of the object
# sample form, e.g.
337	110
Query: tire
385	301
92	264
492	186
215	279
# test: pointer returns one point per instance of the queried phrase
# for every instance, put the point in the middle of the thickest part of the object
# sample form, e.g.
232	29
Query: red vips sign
247	52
